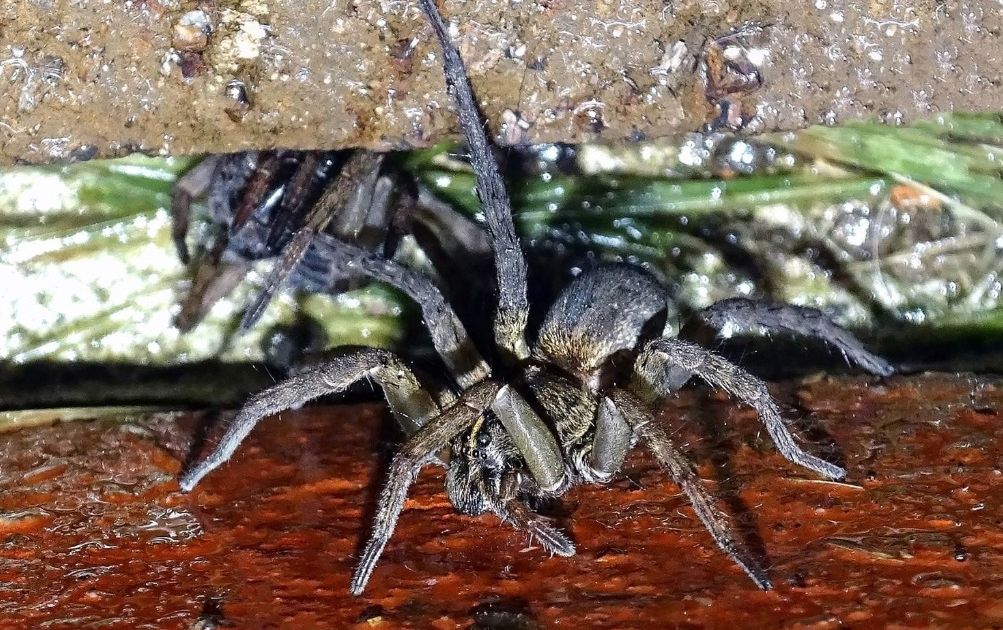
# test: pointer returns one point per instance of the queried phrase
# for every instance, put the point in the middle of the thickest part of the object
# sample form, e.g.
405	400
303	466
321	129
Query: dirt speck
192	30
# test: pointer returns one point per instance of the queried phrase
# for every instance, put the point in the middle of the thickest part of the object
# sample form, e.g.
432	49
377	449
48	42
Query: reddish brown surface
93	529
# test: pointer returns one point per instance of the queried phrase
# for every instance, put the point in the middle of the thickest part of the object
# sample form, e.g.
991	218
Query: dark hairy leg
666	364
510	263
293	199
415	453
794	320
704	504
409	401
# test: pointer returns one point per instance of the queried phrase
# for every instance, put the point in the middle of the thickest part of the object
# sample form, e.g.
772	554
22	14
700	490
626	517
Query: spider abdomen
601	312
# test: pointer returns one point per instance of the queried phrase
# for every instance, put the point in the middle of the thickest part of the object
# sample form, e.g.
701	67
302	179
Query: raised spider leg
510	264
666	364
410	403
360	166
795	320
192	184
680	470
415	453
448	334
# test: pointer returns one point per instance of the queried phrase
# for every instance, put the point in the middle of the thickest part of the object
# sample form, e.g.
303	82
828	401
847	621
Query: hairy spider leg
419	449
410	403
675	463
257	186
795	320
512	311
449	336
666	364
192	184
294	196
362	166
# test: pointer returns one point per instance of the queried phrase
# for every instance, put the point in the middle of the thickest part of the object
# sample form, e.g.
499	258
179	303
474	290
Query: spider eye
483	438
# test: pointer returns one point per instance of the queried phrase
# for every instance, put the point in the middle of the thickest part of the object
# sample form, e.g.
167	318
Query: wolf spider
545	414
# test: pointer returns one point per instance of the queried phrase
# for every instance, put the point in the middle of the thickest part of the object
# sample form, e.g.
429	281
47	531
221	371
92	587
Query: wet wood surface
94	532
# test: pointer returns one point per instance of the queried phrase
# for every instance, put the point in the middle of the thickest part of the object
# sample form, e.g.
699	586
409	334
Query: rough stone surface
94	533
82	79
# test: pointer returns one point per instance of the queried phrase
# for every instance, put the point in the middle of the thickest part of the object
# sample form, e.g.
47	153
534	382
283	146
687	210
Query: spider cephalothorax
560	408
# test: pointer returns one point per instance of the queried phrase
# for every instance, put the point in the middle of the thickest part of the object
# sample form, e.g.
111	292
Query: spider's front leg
664	365
639	419
410	403
802	321
512	312
415	453
189	186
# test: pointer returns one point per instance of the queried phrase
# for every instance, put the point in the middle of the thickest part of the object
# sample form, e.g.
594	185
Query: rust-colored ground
95	534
